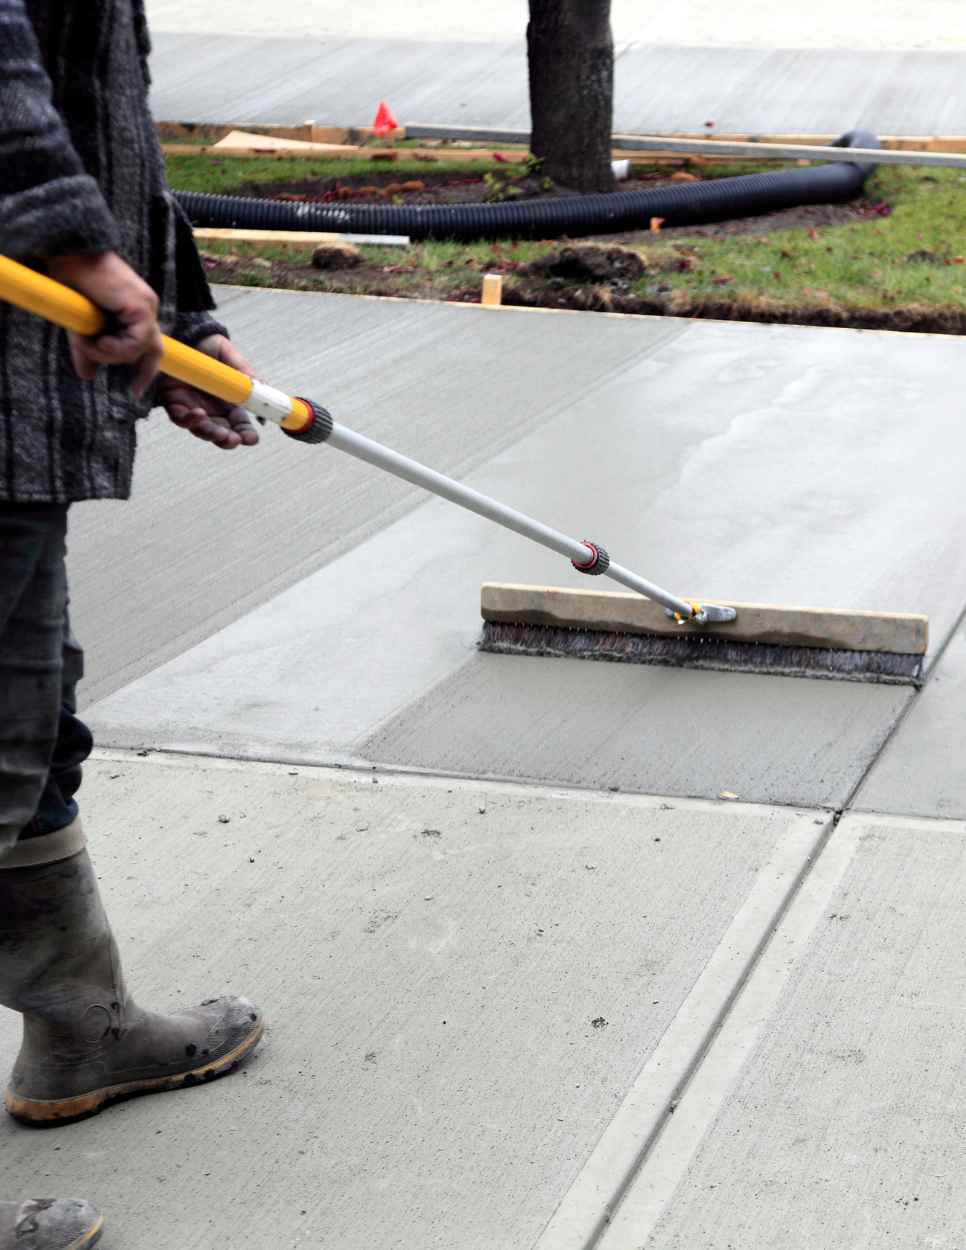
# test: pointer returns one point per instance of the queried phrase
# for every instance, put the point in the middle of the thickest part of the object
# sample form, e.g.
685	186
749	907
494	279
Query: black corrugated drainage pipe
688	204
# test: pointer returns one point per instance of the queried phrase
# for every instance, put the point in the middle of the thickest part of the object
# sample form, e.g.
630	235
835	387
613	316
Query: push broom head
791	642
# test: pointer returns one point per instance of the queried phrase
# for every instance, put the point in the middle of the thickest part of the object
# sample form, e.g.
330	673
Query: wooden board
307	239
243	140
307	131
712	149
429	156
897	633
637	142
248	143
347	135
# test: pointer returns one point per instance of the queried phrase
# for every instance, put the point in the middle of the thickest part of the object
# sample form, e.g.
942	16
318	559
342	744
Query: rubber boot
85	1042
49	1224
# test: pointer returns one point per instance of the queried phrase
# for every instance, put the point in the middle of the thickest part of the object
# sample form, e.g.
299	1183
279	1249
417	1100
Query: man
83	198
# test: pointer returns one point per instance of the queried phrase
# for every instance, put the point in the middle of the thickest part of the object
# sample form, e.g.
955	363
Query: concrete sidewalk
531	984
821	69
870	24
239	78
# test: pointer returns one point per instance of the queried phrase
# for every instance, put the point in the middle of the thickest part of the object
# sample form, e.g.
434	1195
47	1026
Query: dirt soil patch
473	185
890	259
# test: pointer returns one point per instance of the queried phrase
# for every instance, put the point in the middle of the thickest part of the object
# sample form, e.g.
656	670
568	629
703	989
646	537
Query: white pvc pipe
708	147
795	151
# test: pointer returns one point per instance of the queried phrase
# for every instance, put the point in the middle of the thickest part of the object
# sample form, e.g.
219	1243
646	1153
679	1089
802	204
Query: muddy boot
48	1224
85	1042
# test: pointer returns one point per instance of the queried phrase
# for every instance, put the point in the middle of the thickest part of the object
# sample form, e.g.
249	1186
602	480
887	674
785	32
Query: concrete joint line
362	771
646	1200
351	765
634	1141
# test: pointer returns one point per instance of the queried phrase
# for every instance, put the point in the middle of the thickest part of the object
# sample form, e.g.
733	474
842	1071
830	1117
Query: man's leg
33	602
33	595
58	805
85	1042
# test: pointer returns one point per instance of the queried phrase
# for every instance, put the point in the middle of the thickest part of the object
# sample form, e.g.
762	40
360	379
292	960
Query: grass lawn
894	258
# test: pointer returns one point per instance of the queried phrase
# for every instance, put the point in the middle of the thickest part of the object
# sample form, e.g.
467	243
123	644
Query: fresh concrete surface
829	1110
922	772
460	986
729	460
766	739
773	88
934	24
211	535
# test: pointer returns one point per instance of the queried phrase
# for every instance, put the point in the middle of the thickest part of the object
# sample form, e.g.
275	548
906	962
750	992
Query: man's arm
49	205
52	209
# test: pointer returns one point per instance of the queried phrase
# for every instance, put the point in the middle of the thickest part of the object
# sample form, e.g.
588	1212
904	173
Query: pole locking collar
320	428
598	563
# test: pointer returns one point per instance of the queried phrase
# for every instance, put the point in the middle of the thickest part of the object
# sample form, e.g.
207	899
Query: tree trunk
571	57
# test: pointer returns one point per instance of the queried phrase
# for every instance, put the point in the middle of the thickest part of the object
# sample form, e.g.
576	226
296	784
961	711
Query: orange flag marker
385	123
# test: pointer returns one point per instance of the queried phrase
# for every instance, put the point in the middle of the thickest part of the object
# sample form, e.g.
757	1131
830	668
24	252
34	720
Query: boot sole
90	1238
39	1111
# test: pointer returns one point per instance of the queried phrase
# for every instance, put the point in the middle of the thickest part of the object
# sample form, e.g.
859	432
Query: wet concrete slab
748	23
923	770
461	991
631	728
829	1110
276	79
209	536
728	461
660	86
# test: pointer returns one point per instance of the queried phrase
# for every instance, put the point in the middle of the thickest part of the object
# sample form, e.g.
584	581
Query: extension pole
308	422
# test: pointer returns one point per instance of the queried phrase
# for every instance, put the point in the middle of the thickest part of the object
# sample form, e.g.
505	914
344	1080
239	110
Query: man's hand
204	416
113	286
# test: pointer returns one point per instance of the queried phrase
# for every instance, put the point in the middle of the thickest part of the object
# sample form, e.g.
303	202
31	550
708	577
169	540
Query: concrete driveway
532	985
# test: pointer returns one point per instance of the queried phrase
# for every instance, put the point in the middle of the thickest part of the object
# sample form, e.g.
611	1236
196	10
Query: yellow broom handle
70	310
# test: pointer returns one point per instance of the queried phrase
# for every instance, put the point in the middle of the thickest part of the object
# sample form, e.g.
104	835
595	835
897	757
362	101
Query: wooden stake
492	296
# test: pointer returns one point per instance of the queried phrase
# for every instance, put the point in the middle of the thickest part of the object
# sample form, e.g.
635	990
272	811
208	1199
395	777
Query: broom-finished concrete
462	983
821	68
830	1111
879	24
270	78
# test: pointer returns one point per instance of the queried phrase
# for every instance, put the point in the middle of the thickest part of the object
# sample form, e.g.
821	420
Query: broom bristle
702	652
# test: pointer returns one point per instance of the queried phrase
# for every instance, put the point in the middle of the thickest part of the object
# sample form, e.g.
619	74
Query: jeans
42	742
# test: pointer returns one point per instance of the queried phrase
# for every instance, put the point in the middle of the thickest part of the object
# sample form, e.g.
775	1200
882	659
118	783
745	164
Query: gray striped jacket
81	171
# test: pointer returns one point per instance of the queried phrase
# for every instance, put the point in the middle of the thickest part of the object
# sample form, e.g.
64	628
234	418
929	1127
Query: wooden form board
430	156
713	149
658	149
307	239
242	140
898	143
240	143
307	131
897	633
625	146
638	141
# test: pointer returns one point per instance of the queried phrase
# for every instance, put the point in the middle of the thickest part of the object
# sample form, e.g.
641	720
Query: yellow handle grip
59	304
